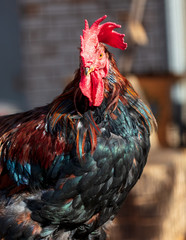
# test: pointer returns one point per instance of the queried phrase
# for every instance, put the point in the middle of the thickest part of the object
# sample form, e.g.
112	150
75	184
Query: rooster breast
83	193
101	180
117	162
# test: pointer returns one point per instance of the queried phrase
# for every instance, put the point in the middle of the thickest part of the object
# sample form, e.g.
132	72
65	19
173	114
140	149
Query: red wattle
97	88
92	86
85	85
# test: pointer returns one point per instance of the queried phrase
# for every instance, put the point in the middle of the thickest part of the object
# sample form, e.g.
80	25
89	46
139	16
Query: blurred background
39	42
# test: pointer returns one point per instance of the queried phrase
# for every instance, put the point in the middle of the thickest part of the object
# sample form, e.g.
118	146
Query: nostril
88	64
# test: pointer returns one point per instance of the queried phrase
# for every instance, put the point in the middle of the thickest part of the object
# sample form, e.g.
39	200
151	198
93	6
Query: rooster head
95	60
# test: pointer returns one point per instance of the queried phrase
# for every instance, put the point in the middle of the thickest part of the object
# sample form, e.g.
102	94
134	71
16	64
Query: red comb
102	33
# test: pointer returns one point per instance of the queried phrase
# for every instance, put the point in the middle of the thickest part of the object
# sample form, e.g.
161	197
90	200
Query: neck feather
117	88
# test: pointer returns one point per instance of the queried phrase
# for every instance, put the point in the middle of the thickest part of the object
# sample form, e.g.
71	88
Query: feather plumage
65	168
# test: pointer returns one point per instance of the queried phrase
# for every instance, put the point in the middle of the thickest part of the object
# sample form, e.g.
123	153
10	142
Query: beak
88	70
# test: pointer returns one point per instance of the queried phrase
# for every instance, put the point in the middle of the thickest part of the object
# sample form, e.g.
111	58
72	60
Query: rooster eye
101	55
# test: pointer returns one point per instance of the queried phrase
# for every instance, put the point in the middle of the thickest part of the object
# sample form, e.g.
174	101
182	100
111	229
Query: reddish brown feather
93	138
69	200
77	142
83	144
113	116
71	176
17	189
29	141
5	182
93	218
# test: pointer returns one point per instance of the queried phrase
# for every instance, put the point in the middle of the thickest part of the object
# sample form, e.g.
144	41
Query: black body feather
91	157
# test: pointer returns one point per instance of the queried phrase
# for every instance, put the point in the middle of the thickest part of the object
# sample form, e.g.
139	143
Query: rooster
66	168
